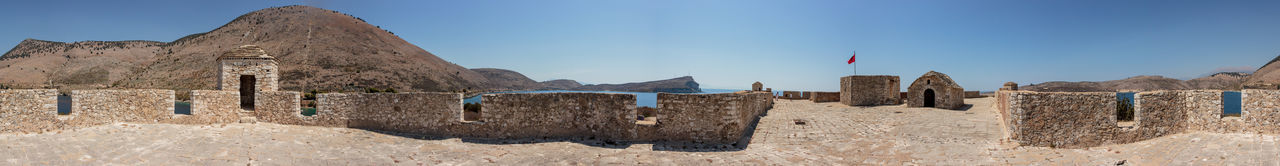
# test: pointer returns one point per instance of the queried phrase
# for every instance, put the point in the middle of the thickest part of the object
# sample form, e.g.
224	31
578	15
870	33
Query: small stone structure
818	97
934	89
1087	119
757	86
868	90
794	95
1009	86
247	69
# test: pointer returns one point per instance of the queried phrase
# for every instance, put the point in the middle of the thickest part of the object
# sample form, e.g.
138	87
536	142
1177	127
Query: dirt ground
831	134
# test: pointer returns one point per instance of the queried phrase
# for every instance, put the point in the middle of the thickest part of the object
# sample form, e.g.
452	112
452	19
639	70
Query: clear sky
787	45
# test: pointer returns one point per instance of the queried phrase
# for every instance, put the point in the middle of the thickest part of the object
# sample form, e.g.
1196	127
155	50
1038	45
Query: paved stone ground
832	134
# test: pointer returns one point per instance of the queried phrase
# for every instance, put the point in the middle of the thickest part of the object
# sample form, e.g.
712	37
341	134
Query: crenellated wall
697	118
1086	119
29	110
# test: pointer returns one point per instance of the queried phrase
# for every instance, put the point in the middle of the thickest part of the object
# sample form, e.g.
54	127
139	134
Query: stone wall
1056	119
1260	110
98	107
29	110
1084	119
264	70
696	118
285	107
793	95
708	118
869	90
536	115
211	107
972	94
819	97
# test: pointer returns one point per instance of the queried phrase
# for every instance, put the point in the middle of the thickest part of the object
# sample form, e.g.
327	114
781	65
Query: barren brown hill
316	49
1219	81
504	79
1266	77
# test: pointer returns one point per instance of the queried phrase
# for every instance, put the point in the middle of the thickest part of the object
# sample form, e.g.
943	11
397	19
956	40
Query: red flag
855	55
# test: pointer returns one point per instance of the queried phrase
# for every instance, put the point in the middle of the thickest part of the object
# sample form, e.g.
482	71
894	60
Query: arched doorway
928	98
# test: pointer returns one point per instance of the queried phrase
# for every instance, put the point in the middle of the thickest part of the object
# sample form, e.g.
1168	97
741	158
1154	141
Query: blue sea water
1231	102
643	99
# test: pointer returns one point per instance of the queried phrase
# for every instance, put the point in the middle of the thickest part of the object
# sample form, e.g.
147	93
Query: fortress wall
819	97
1205	113
1086	119
708	118
1156	113
1261	110
415	112
537	115
972	94
792	95
285	107
211	107
29	110
98	107
870	90
1057	119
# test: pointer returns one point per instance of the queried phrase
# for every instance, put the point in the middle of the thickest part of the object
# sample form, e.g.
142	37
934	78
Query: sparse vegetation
376	90
1124	110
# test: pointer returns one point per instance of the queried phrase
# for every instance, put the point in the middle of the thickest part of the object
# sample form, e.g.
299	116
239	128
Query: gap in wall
1125	111
1231	104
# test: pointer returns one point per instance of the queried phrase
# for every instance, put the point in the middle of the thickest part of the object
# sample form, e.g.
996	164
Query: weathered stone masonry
696	118
1086	119
869	90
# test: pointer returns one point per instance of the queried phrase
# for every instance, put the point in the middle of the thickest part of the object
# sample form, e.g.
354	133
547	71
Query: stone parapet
98	107
29	110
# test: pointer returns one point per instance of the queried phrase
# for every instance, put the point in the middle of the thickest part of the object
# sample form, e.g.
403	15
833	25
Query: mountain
675	85
315	48
507	79
1266	77
560	84
1220	81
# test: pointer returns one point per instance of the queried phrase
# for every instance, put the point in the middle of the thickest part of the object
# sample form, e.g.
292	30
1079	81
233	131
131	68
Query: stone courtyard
793	132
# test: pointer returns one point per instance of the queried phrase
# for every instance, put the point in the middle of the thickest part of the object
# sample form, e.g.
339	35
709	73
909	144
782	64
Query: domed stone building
934	89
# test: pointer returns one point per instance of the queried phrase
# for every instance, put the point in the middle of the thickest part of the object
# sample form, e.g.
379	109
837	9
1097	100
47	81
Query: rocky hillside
1220	81
675	85
1266	77
560	84
316	49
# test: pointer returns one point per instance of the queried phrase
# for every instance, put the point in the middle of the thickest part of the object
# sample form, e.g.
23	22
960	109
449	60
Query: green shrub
1124	110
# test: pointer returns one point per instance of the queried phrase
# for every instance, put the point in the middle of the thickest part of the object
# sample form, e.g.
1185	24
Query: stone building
1009	86
757	86
247	69
869	90
934	89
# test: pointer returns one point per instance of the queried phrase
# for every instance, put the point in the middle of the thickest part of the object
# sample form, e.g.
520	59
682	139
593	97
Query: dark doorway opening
928	98
247	83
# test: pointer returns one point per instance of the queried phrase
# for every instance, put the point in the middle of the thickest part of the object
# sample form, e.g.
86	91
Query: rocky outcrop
675	85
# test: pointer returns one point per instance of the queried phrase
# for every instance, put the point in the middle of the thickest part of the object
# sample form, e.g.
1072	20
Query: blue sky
787	45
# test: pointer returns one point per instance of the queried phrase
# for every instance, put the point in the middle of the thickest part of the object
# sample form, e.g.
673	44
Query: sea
643	99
